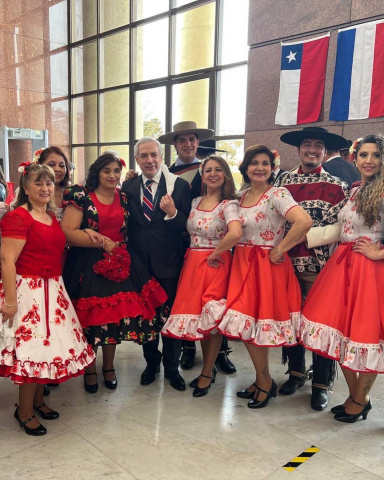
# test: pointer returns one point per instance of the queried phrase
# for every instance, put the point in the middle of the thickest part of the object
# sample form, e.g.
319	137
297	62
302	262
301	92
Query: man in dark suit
159	205
337	167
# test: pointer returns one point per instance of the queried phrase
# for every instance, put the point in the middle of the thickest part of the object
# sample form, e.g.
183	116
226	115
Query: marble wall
283	20
34	72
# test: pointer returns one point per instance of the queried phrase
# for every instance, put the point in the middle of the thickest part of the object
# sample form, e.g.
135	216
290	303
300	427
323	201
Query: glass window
233	48
83	19
114	60
150	112
151	50
58	24
113	14
84	119
59	73
180	3
231	102
114	116
84	65
82	157
194	39
234	156
148	8
59	131
190	101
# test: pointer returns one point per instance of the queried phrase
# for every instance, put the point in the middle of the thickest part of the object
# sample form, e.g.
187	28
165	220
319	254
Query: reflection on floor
157	433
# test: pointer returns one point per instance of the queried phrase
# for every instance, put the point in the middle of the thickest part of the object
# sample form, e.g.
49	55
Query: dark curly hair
44	157
93	178
249	156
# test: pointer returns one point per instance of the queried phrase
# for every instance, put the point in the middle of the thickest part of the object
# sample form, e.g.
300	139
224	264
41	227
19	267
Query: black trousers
171	346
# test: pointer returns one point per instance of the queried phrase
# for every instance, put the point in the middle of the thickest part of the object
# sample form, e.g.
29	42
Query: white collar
156	178
335	156
180	162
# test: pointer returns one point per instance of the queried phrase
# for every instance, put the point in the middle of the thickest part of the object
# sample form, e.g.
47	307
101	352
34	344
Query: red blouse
111	217
41	254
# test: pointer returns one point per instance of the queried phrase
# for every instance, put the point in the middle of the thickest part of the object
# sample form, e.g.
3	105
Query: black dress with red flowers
110	307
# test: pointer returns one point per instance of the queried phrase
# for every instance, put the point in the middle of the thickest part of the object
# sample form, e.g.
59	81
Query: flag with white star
302	79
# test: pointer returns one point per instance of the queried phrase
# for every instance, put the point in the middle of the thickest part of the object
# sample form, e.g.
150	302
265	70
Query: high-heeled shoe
201	392
246	393
193	384
111	384
90	388
36	432
338	408
254	403
52	415
352	418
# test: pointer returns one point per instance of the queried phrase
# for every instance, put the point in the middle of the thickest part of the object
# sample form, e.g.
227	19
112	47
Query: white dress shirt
156	180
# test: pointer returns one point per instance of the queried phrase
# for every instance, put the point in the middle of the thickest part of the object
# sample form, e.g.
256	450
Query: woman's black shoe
46	391
52	415
254	403
111	384
246	393
201	392
193	384
352	418
338	409
36	432
90	388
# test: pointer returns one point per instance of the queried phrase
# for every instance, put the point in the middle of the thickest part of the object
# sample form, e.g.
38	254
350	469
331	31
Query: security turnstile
39	140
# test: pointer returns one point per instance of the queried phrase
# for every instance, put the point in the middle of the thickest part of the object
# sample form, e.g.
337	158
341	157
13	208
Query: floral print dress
201	296
264	300
109	311
343	316
45	344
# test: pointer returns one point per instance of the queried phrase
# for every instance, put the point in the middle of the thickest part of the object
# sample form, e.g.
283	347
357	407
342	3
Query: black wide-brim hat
331	140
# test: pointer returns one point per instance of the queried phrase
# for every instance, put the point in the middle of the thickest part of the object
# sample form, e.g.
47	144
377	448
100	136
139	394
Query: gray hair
143	140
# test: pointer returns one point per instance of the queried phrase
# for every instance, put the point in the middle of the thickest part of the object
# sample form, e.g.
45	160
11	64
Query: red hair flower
353	149
122	162
23	167
116	266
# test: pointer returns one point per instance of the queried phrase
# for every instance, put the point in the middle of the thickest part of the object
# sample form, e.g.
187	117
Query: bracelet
10	305
278	252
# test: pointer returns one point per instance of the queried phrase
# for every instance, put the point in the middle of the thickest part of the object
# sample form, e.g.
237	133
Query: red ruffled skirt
343	316
200	301
264	299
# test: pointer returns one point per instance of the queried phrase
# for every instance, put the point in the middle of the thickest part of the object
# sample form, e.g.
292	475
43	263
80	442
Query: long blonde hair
370	195
228	190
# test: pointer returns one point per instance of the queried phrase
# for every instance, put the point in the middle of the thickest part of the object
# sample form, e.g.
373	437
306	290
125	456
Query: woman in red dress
214	227
41	340
343	316
114	296
264	300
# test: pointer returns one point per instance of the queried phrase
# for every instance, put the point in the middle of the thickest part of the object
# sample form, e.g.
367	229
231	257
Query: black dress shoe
90	388
176	380
254	403
338	409
193	384
225	364
52	415
246	393
352	418
36	432
187	360
201	392
53	385
149	375
319	399
111	384
291	385
46	391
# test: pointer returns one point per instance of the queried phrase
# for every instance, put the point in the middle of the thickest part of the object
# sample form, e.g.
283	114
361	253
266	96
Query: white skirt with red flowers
45	344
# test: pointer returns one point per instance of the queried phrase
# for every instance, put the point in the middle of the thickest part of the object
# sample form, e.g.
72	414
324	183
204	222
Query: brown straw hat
185	127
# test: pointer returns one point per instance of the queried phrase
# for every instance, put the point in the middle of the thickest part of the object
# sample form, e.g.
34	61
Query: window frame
171	79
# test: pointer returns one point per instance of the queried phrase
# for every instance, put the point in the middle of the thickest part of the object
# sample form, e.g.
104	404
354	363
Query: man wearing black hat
188	140
322	196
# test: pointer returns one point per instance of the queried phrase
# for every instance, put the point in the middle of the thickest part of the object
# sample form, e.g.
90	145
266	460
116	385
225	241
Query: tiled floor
158	433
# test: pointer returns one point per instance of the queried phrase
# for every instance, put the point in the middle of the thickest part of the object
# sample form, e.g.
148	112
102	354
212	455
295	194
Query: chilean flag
358	85
302	80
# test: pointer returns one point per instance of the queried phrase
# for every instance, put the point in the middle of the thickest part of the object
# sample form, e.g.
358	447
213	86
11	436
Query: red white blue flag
302	79
358	85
